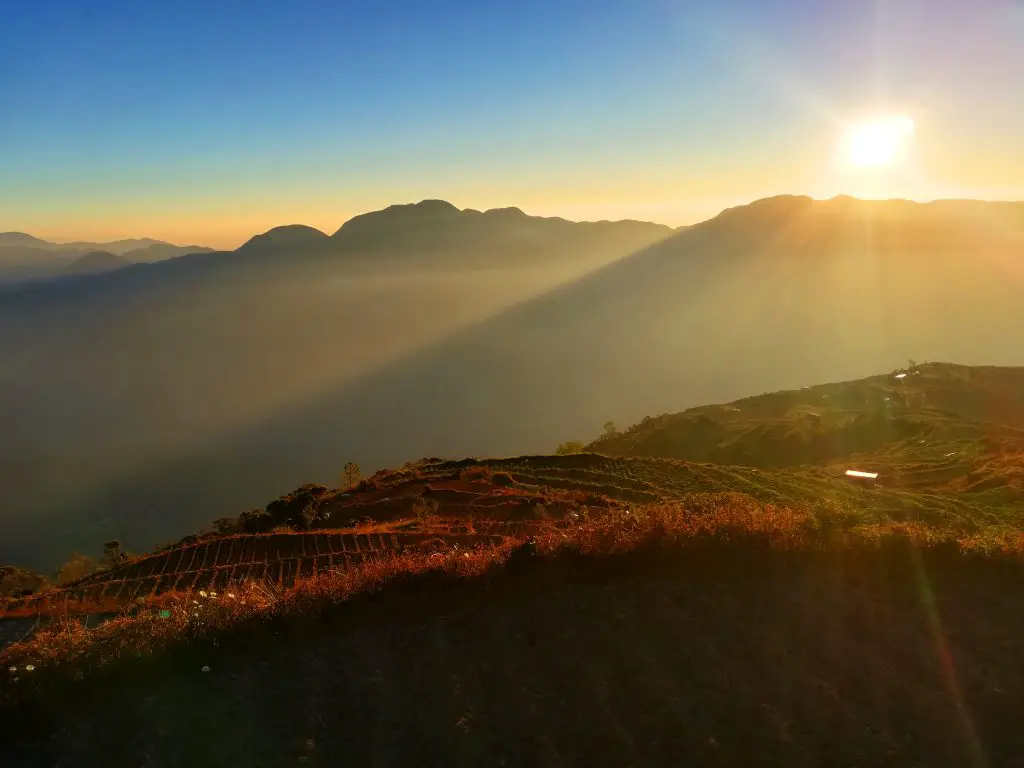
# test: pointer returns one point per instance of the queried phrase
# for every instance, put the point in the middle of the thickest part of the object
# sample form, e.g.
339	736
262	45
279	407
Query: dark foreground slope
744	656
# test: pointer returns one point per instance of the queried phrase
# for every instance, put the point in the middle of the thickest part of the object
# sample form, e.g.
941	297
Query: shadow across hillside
780	294
708	315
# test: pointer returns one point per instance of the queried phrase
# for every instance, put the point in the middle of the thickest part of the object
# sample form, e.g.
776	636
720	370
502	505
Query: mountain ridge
24	257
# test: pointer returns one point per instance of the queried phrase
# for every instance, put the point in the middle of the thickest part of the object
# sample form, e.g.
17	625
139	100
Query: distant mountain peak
22	239
288	235
509	212
430	206
397	215
96	261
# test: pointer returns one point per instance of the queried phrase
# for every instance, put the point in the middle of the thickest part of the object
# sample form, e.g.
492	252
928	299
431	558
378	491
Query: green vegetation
944	439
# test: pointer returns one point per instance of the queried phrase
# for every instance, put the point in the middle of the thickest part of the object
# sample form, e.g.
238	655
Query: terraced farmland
472	502
274	559
645	480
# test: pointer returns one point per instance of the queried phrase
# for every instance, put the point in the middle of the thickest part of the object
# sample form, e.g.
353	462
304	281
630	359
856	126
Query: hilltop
934	426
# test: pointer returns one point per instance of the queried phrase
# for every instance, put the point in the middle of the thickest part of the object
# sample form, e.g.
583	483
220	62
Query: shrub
425	511
227	524
17	582
254	521
77	567
298	509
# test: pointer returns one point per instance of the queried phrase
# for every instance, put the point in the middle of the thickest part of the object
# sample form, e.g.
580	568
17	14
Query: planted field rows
642	480
276	559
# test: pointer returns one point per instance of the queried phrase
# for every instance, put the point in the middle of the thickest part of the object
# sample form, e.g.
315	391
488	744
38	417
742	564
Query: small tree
351	475
227	524
425	511
610	429
112	554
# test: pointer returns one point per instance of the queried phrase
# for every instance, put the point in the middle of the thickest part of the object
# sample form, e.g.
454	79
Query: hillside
931	426
575	607
381	366
946	441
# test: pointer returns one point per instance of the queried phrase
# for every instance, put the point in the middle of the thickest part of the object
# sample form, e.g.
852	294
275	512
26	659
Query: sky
205	122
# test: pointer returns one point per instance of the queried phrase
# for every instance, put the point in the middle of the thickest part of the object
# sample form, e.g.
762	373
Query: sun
876	143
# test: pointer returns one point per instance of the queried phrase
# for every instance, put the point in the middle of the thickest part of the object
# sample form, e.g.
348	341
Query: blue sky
208	121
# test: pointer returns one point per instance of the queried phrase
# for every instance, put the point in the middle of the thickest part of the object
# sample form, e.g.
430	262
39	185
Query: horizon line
920	201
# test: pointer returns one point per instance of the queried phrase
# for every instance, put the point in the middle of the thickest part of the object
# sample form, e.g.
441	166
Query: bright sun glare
876	142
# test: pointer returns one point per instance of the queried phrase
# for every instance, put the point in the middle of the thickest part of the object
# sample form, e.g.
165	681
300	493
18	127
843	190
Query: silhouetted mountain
21	240
290	236
438	233
161	252
262	374
436	229
117	247
24	257
95	261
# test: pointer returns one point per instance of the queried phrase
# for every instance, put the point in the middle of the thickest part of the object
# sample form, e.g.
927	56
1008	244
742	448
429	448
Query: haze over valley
144	402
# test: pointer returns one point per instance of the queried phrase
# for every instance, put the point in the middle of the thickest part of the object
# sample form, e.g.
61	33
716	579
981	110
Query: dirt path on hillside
790	661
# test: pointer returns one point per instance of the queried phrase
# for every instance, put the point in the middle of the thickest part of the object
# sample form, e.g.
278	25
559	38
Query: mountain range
143	402
24	257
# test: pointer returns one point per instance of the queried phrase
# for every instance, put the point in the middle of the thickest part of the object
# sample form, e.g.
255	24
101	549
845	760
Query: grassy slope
948	437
